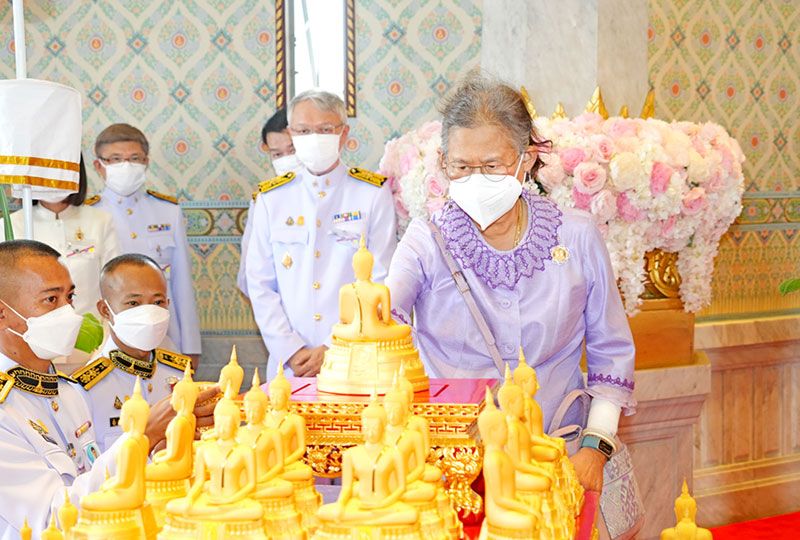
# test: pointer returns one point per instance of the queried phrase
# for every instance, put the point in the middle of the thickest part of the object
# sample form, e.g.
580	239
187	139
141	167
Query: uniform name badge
92	451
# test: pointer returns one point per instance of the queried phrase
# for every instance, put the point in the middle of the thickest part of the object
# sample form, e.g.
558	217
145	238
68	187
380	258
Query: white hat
40	136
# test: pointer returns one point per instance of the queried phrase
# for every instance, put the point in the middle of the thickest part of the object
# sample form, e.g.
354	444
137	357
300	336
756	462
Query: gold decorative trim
280	54
38	181
350	58
40	162
663	279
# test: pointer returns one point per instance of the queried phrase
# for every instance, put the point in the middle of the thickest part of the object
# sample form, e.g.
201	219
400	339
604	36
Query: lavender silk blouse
555	289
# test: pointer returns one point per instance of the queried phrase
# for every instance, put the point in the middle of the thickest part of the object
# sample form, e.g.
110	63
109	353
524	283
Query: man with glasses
150	223
306	227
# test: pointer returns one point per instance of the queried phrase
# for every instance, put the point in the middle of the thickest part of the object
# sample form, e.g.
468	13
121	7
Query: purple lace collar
502	268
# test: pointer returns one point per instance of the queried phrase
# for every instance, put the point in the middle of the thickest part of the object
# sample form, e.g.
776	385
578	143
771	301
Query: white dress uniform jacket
306	229
109	377
86	239
150	223
47	443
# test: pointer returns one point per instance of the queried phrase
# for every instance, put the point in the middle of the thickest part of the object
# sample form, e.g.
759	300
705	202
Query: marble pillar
561	51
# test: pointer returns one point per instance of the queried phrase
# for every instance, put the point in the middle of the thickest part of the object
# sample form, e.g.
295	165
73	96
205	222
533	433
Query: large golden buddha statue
119	507
219	503
373	485
292	430
168	475
281	519
368	345
685	513
506	515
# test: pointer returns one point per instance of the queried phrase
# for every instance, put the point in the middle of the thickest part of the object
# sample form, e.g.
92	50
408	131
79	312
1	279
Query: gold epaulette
94	199
91	374
367	176
278	181
65	376
171	359
157	195
6	384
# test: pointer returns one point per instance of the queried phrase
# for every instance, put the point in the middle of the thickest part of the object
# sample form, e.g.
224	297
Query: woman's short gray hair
480	100
324	101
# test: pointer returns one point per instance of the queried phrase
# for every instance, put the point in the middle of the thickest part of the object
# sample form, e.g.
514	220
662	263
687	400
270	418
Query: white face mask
284	164
125	178
142	327
317	152
486	197
53	334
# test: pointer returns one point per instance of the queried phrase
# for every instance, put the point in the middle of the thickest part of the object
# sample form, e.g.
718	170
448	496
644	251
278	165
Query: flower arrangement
649	184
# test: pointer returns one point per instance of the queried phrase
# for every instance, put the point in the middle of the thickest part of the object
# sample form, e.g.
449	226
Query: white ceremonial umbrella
40	132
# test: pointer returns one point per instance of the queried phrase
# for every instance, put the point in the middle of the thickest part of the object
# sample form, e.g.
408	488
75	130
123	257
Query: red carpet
785	527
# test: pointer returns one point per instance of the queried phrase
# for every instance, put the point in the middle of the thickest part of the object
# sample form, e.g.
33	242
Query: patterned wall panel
737	63
198	76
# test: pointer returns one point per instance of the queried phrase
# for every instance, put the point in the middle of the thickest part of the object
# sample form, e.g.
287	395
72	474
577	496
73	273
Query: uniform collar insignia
34	382
134	366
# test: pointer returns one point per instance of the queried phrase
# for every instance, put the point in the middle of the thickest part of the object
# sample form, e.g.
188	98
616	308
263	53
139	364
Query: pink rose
581	199
659	177
694	201
604	206
571	157
627	211
667	225
602	148
589	177
620	127
552	174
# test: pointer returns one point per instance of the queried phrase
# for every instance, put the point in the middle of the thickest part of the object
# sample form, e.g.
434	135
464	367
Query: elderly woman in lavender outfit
541	277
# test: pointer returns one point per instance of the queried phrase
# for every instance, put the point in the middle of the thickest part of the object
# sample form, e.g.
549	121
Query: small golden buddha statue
685	514
219	500
544	448
431	474
281	519
292	430
373	484
368	345
506	515
119	505
52	532
419	494
232	373
67	514
168	475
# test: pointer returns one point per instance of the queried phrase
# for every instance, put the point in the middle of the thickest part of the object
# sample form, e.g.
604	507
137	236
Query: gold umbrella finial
596	104
559	112
526	98
649	107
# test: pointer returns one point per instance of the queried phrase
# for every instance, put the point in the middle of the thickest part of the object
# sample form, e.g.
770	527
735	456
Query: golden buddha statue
52	532
373	484
506	515
118	508
544	448
419	494
219	501
281	519
368	345
67	514
431	473
292	429
232	373
167	477
685	514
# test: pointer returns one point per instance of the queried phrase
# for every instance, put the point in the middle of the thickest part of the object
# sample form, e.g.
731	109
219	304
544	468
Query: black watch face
605	448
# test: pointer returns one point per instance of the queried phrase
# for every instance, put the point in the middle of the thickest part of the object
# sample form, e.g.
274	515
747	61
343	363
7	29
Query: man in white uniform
148	222
134	302
275	138
306	228
47	441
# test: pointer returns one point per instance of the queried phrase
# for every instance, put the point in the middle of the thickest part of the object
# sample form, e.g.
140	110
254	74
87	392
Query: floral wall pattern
198	76
737	63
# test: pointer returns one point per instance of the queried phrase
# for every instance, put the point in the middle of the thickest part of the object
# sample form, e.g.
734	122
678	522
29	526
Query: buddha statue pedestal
136	524
307	500
160	492
358	368
182	528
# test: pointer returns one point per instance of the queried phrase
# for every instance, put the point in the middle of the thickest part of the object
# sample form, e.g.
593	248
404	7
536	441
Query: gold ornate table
451	406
